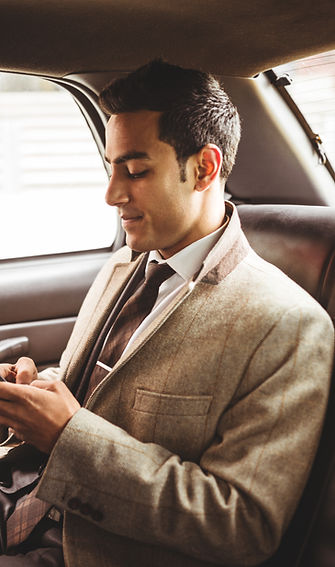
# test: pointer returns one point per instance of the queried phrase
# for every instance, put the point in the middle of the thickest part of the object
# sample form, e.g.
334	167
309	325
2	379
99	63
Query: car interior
282	184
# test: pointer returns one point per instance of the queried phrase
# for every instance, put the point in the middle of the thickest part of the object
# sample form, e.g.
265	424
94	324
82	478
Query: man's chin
137	246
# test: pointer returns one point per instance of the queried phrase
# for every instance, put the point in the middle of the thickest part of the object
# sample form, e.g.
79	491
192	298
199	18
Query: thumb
26	370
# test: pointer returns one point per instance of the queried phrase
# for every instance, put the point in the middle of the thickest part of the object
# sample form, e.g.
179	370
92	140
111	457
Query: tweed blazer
195	449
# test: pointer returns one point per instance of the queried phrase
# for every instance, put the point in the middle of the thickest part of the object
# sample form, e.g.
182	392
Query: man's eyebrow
129	156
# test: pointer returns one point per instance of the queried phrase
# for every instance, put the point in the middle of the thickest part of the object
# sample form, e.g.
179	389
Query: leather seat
300	240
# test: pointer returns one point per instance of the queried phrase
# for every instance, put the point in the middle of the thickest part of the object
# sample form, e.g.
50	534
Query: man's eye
137	174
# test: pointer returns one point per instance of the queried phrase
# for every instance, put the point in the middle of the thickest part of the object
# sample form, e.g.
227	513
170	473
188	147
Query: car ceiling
230	37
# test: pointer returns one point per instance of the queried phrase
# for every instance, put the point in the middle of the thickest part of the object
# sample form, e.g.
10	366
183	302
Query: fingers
52	386
44	384
21	393
13	392
26	370
37	412
14	436
8	372
23	372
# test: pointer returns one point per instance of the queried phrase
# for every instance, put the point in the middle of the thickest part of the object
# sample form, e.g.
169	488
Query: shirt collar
189	260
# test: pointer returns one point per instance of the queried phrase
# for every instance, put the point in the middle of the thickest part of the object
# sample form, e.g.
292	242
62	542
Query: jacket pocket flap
168	404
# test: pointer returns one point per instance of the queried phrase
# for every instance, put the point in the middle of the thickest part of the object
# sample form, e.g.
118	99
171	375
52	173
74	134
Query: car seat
300	240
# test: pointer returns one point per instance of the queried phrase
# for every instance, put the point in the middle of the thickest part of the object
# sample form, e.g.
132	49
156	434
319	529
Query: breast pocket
175	422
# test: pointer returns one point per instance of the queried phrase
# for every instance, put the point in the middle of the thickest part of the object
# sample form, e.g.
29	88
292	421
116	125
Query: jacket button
74	503
86	509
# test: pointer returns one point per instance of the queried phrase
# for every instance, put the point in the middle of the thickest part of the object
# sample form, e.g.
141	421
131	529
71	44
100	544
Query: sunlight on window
313	90
52	179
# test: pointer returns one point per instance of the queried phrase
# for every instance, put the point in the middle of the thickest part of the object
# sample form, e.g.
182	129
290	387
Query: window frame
280	82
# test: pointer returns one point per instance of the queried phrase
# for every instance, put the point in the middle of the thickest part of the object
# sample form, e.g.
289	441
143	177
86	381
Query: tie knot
157	273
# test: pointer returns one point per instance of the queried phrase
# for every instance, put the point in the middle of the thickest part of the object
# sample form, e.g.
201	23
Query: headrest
298	239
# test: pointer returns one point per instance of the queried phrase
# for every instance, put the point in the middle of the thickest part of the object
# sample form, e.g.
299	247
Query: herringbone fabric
27	514
130	317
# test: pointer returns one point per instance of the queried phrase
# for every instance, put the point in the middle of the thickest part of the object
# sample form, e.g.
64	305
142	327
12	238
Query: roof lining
231	38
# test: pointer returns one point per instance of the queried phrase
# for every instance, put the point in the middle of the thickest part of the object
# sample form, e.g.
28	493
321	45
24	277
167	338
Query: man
196	440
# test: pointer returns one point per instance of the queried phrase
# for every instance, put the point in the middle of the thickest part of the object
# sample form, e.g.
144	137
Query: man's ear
209	161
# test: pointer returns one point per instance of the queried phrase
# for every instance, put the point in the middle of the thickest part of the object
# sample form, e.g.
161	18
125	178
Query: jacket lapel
121	274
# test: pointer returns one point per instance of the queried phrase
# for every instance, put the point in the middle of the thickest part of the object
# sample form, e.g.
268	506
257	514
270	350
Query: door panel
40	298
45	340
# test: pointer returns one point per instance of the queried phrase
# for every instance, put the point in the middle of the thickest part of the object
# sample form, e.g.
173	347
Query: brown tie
134	311
27	514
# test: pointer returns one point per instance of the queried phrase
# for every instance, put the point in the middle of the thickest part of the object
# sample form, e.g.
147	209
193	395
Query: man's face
157	209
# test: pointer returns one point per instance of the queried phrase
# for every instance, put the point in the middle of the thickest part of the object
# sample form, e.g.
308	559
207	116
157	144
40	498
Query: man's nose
116	193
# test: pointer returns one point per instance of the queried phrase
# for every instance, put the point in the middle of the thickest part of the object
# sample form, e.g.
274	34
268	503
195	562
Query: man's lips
128	220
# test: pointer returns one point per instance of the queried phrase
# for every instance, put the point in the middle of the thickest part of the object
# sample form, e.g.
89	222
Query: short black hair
195	108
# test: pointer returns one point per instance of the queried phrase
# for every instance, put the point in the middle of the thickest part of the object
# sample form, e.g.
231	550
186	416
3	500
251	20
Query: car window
313	89
52	179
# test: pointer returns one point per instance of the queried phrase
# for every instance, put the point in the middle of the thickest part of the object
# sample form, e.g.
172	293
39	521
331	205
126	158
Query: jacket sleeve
234	504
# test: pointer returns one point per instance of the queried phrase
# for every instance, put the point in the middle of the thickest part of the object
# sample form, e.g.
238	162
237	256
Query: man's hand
23	372
37	412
